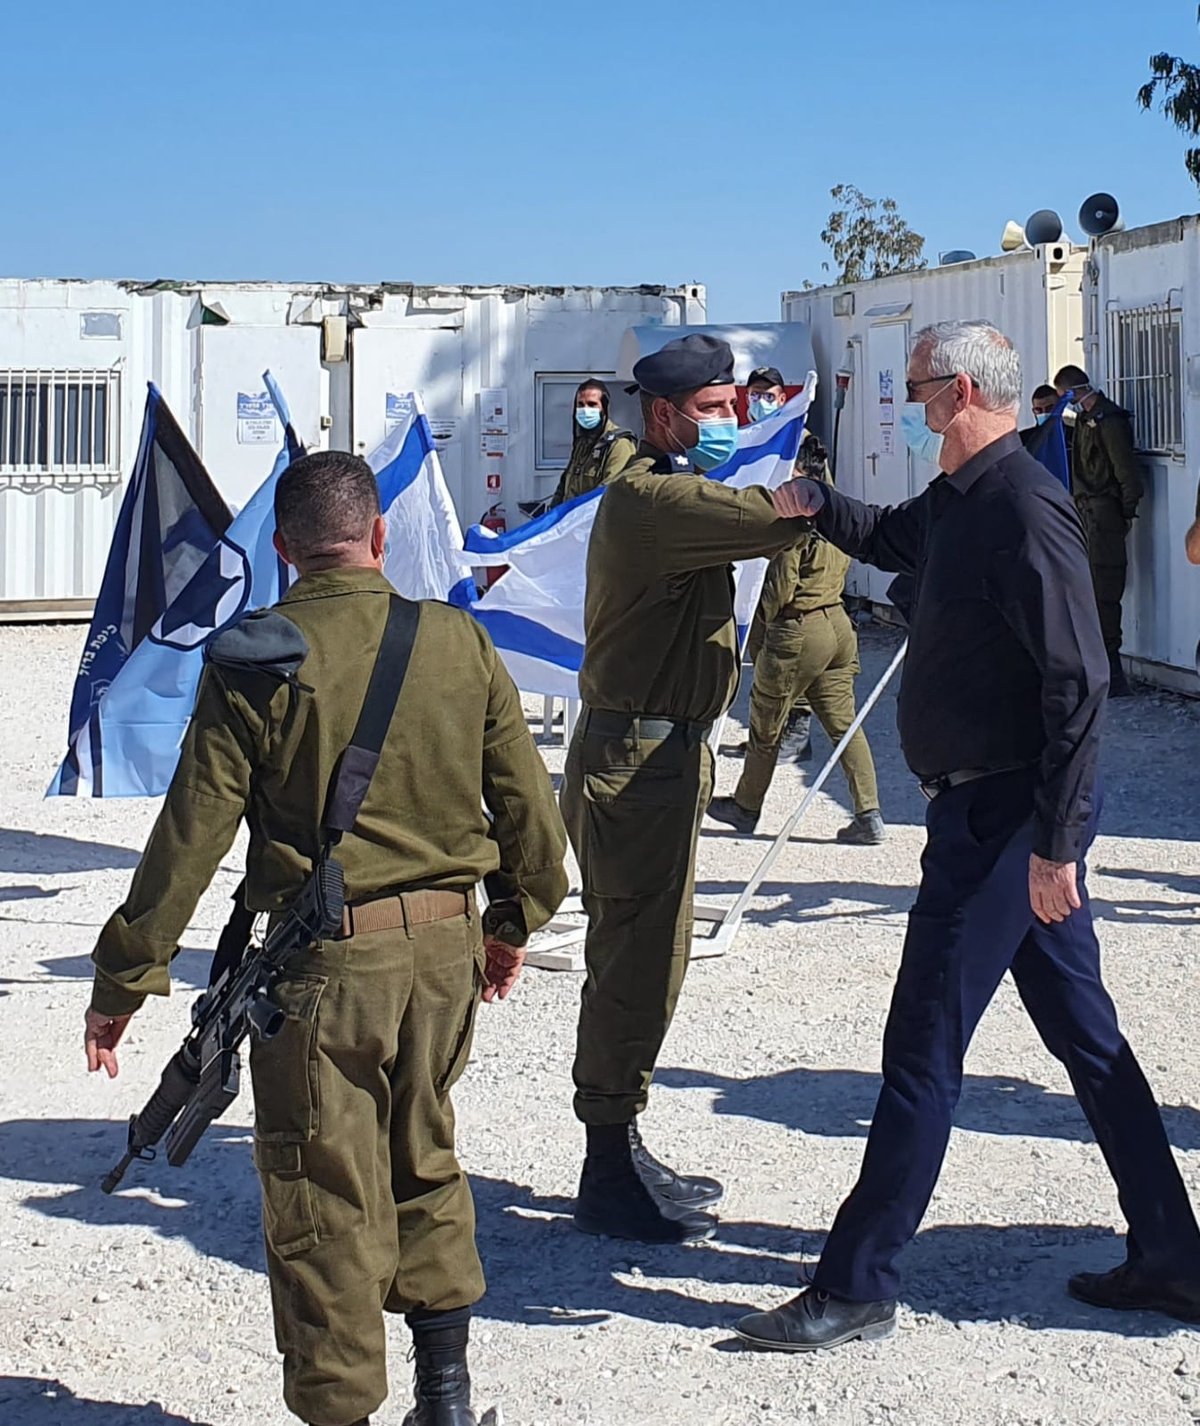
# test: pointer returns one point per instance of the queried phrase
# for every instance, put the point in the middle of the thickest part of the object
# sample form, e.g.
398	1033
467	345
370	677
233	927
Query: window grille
1145	372
59	424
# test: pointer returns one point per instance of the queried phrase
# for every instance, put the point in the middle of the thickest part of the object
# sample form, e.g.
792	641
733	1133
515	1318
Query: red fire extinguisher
496	521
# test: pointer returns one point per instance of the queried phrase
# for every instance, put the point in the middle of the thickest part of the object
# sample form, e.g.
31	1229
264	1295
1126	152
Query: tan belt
404	911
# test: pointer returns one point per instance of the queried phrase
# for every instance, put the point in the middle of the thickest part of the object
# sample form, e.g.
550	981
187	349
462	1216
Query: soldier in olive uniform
600	449
765	394
365	1207
810	649
1106	481
661	663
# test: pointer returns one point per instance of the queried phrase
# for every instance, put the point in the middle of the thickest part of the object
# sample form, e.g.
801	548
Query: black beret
768	374
685	364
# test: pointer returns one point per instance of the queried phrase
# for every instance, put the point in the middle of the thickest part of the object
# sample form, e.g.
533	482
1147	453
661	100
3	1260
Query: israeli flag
130	743
534	611
424	558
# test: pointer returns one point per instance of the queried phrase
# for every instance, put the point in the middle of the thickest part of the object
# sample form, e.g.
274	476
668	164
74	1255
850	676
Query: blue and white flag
424	558
534	611
170	518
1049	443
130	743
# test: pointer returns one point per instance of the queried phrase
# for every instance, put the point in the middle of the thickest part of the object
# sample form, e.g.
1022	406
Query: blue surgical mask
1041	417
588	417
762	406
717	440
923	442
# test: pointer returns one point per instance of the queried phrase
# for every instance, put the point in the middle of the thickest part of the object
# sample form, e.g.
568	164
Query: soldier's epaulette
671	464
265	641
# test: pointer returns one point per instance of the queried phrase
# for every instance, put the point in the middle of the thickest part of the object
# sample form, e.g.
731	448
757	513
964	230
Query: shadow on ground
541	1271
48	852
839	1103
33	1401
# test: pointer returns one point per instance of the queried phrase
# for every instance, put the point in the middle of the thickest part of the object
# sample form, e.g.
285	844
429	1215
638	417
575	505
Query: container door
239	436
885	478
389	362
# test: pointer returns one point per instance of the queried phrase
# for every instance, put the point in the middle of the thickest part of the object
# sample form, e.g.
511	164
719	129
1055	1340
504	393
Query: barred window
56	424
1145	371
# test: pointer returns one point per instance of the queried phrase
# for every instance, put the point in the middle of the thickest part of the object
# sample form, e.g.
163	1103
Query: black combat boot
733	814
443	1384
867	830
616	1202
678	1189
1118	685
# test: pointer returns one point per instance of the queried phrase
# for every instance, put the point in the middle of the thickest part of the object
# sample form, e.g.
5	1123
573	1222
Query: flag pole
732	920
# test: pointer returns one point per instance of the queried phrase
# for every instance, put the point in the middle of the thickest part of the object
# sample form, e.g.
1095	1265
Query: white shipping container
75	358
1142	339
1034	296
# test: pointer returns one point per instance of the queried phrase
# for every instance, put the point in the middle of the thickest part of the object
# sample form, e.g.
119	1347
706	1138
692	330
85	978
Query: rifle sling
355	768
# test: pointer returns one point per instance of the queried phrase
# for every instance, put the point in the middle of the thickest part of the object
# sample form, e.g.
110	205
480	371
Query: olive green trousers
365	1207
815	657
632	806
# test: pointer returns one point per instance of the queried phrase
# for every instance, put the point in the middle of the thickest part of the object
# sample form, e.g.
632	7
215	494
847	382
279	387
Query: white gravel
152	1307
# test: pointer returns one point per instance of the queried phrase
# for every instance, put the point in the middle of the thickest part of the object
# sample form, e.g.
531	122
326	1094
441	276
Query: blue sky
547	143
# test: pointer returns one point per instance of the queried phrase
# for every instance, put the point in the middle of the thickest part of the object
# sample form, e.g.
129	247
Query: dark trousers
972	922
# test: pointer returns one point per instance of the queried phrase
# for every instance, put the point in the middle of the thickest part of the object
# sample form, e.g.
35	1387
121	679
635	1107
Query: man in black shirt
999	714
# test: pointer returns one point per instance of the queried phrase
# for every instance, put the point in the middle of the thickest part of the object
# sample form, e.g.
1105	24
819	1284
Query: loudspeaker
1012	238
1044	226
1100	214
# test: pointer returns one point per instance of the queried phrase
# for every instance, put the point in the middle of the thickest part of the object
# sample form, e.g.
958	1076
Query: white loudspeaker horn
1012	238
1100	214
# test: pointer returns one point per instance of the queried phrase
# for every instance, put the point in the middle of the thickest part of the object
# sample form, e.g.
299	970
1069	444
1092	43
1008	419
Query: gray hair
982	352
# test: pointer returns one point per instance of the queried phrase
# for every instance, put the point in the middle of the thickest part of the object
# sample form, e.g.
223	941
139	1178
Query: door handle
874	459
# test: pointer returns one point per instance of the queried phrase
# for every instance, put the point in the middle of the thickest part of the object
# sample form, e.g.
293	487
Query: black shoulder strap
356	767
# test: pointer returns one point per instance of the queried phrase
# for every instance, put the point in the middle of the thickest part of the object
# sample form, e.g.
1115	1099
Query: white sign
396	410
443	432
256	423
493	409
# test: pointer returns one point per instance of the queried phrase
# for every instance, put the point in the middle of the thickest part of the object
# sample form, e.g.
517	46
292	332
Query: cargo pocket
284	1069
640	822
289	1219
460	1053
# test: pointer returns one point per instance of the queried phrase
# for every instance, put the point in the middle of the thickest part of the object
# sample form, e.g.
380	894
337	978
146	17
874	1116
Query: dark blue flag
170	519
1048	443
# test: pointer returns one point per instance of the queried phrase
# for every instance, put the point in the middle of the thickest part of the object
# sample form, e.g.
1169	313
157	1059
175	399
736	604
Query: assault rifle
202	1078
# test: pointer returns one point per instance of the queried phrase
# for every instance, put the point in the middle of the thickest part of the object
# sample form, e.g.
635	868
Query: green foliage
1175	87
869	238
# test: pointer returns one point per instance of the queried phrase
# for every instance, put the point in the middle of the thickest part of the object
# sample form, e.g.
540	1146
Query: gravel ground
152	1306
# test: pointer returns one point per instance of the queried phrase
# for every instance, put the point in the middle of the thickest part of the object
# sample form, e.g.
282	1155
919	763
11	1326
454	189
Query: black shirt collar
966	475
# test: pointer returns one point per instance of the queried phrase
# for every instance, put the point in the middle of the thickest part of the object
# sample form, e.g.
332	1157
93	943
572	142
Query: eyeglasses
911	386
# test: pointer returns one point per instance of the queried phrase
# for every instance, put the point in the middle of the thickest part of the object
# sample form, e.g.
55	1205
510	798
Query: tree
869	238
1176	86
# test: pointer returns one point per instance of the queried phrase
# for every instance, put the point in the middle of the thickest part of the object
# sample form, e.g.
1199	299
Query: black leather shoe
679	1190
815	1320
613	1202
1128	1289
726	810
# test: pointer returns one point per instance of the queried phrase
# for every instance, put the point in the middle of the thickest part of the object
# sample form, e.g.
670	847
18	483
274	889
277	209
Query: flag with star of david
129	743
